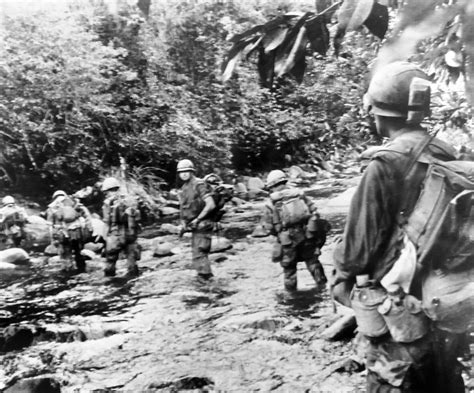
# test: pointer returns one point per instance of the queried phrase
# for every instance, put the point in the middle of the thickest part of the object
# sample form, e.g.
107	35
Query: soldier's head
398	96
8	201
185	169
59	195
110	185
276	180
213	179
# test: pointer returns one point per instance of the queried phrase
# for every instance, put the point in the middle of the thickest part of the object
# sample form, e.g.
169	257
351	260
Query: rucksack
441	225
221	194
125	212
66	212
291	207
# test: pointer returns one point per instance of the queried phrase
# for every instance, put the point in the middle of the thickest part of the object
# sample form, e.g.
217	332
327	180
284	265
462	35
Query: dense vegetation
87	85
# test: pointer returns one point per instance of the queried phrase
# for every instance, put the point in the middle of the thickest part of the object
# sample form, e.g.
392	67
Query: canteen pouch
448	299
405	319
364	302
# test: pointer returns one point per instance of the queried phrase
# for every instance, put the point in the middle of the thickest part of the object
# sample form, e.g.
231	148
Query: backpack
291	207
441	225
221	194
125	212
66	212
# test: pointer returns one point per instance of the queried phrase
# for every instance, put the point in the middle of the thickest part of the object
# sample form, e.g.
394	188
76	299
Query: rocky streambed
164	331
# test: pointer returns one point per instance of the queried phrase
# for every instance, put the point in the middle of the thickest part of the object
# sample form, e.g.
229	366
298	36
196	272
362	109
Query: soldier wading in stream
405	351
300	233
196	207
121	214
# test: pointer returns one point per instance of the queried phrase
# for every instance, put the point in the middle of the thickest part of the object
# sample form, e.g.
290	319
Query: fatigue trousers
292	254
427	365
116	244
72	247
200	248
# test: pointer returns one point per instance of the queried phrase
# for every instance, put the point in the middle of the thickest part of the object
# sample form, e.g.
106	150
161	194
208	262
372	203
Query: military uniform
12	222
71	228
122	217
373	240
297	242
192	201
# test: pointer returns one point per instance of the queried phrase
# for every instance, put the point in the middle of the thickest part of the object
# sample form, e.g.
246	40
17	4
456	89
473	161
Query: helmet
110	183
8	200
400	89
213	179
58	193
276	177
185	165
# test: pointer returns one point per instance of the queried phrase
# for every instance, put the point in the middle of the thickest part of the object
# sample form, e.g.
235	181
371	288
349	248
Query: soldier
71	227
122	217
300	233
12	221
196	205
399	97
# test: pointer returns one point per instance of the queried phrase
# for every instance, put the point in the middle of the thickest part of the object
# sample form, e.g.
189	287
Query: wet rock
163	249
16	256
219	244
99	229
94	247
51	250
37	231
88	254
218	258
241	191
343	328
295	172
260	231
15	337
35	385
259	320
7	266
170	228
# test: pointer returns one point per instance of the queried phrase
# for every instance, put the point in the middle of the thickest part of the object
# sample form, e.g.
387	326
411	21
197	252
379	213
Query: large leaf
468	37
318	34
377	22
353	13
299	68
234	55
274	38
286	61
239	37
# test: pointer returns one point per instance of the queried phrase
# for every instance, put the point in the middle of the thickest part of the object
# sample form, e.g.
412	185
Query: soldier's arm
106	213
208	208
311	205
84	211
267	222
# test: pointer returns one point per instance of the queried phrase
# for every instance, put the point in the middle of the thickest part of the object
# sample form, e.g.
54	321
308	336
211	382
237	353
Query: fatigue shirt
270	219
373	237
83	213
12	215
191	199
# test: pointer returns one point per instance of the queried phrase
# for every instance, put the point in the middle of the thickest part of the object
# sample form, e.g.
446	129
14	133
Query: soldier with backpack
378	266
12	221
71	227
196	207
300	233
121	214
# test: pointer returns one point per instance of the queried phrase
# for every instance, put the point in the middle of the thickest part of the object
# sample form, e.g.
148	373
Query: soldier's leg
201	245
112	251
65	253
289	265
132	249
76	247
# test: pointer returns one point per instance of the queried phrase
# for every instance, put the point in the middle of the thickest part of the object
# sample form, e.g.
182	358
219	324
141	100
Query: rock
170	228
16	256
219	258
255	184
295	172
51	250
342	328
15	337
169	211
220	244
163	249
260	231
339	204
95	247
259	320
35	385
88	254
7	266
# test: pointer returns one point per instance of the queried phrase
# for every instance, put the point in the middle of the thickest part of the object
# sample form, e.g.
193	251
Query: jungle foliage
105	80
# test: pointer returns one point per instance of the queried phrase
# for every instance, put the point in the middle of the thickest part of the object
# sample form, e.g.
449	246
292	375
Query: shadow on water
302	303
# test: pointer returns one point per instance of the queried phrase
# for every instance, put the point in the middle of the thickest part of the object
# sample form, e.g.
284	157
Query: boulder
220	244
163	249
51	250
16	256
99	229
241	191
260	231
170	228
95	247
169	211
15	337
295	172
255	184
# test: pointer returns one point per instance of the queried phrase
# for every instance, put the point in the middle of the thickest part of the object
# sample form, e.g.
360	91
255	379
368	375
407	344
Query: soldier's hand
193	224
